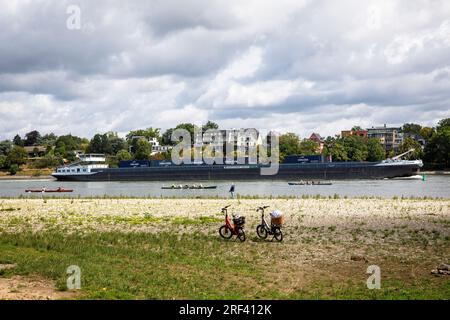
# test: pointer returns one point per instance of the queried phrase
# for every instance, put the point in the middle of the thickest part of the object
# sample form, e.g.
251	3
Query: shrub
17	155
3	162
13	169
37	173
47	161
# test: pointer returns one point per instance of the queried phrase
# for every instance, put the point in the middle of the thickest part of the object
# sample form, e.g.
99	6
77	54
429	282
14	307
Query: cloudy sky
297	66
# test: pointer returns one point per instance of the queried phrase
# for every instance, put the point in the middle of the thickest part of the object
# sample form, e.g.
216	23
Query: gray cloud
288	65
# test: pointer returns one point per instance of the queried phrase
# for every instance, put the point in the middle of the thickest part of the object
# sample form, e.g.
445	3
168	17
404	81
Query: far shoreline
19	177
437	172
51	178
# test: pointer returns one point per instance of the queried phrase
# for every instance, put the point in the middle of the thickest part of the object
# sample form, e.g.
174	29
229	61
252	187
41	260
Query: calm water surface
434	186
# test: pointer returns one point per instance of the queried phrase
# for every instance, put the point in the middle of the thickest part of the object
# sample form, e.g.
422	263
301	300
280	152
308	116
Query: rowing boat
189	187
310	183
49	190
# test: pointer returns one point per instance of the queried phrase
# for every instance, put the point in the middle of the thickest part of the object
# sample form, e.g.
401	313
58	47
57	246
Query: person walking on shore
232	190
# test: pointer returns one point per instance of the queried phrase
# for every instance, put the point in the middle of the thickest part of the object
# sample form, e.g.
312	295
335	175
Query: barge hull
317	171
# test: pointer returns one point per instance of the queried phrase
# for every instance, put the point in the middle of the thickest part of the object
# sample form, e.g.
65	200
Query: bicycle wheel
261	232
225	232
241	234
278	234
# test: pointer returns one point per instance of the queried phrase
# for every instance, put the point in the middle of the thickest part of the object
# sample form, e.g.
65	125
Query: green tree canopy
147	133
3	162
5	147
70	143
335	148
32	138
375	151
17	155
443	124
133	137
355	148
60	148
308	147
13	169
123	155
412	128
426	133
143	149
101	143
116	143
210	126
47	161
18	141
351	148
167	137
48	140
289	145
408	144
437	150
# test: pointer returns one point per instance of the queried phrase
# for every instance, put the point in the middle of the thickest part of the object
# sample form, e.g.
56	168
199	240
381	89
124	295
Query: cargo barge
92	167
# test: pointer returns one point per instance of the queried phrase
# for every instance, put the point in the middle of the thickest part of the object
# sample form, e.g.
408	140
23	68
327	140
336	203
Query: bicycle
228	230
263	230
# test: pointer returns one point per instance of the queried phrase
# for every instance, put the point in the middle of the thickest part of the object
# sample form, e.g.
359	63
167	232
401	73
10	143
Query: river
433	186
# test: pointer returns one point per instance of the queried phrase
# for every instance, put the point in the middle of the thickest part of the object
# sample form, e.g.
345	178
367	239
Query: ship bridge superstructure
84	166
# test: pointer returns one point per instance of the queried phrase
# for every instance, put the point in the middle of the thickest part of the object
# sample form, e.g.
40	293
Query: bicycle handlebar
225	208
262	208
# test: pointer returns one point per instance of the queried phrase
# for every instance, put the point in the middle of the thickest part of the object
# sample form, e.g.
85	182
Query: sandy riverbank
342	223
406	238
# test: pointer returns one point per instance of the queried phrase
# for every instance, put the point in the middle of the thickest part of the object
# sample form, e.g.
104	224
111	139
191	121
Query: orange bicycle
237	228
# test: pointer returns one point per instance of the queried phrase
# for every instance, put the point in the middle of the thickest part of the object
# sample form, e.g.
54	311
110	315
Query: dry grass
406	238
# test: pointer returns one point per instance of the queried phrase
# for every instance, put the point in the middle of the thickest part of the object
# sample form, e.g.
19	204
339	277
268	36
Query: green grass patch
136	266
196	221
10	209
118	265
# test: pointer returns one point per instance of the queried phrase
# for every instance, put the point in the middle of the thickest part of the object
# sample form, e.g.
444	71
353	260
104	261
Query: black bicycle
263	230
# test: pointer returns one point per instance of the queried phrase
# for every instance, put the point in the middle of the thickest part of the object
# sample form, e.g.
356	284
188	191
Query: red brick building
319	140
360	133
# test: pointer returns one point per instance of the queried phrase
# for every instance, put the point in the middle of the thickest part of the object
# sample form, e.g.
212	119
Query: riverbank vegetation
36	153
170	248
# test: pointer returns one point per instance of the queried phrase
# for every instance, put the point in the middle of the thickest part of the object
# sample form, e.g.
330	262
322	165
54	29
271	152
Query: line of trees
437	149
62	149
352	148
435	152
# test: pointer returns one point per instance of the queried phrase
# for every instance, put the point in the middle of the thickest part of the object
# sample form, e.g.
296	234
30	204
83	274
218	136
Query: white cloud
404	46
291	65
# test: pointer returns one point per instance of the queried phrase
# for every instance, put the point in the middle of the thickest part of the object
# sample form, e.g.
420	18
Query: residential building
236	137
156	147
231	139
154	144
359	133
390	137
35	151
